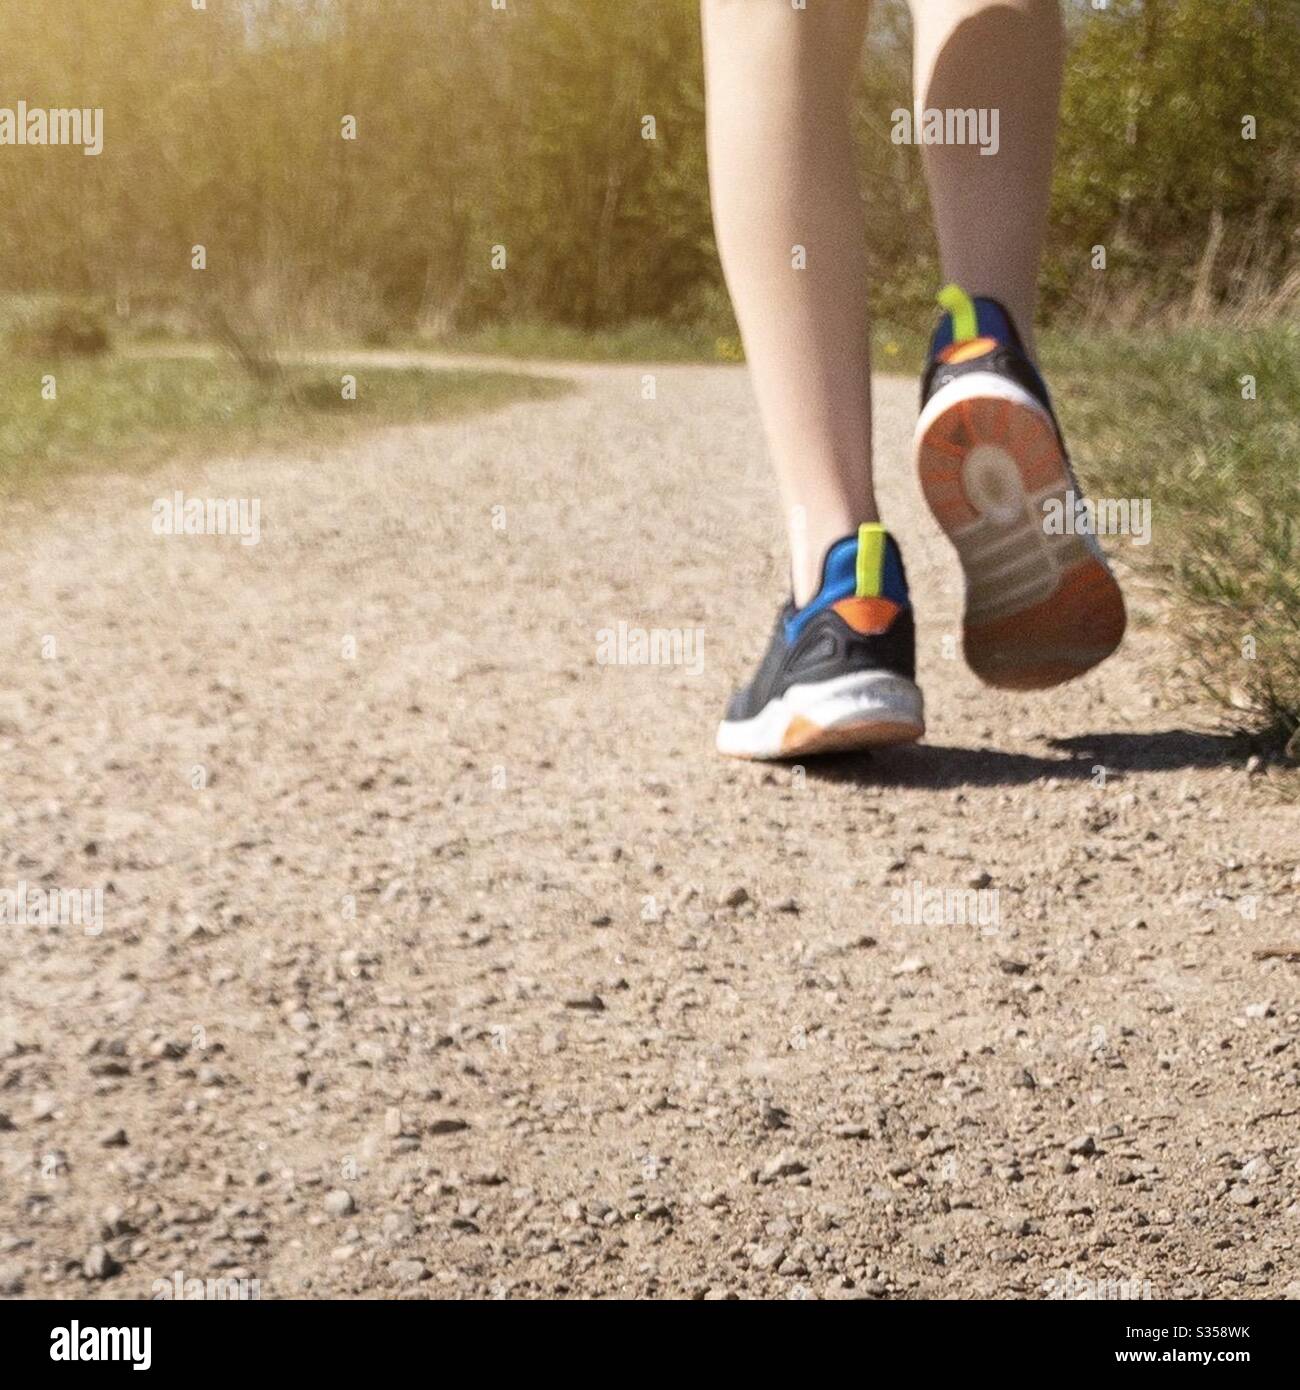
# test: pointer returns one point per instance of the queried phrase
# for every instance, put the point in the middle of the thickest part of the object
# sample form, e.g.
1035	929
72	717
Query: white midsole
976	386
859	697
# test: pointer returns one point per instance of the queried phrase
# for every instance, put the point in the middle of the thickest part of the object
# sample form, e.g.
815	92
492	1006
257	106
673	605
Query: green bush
1204	423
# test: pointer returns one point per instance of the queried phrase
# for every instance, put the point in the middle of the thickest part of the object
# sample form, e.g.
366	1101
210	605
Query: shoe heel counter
894	649
888	644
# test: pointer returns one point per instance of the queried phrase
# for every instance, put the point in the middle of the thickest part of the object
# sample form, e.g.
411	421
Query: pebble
448	1125
1292	750
398	1225
773	1117
593	1003
99	1264
782	1166
339	1202
1258	1168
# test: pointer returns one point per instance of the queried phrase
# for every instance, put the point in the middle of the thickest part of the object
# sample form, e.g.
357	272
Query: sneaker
839	673
1040	608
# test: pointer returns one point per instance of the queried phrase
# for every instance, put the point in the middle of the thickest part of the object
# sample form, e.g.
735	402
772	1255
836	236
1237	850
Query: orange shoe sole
805	737
1041	609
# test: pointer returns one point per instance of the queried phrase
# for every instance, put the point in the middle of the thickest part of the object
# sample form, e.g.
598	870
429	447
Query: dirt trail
464	968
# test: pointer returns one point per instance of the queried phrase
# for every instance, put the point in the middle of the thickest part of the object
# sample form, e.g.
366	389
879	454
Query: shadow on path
938	766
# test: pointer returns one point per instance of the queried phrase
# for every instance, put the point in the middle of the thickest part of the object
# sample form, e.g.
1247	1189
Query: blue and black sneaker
840	673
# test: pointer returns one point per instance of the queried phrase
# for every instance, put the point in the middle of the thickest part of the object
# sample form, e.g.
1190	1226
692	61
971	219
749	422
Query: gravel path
439	958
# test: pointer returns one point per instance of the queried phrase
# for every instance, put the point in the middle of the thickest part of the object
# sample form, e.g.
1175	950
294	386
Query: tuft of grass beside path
119	413
1167	416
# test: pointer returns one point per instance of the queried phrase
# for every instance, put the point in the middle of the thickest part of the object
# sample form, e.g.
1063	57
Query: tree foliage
525	128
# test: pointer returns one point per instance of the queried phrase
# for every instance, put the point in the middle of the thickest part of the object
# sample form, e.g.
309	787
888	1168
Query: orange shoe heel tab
869	616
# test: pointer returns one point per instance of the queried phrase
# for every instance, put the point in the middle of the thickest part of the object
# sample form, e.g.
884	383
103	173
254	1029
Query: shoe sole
1040	609
864	709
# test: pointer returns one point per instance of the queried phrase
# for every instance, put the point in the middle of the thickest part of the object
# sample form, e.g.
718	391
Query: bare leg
783	175
990	211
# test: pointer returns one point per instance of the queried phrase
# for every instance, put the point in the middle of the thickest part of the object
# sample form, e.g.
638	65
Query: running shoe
1041	608
840	673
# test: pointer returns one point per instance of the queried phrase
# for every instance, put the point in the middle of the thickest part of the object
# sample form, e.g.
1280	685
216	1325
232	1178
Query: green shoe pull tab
871	560
961	309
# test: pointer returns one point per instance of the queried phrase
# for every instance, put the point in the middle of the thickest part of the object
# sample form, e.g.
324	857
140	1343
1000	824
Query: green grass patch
130	413
1166	416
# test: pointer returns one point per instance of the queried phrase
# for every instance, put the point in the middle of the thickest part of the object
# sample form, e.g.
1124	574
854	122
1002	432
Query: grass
129	413
1164	416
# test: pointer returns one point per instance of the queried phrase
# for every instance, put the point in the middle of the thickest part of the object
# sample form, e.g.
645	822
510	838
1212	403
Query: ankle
808	548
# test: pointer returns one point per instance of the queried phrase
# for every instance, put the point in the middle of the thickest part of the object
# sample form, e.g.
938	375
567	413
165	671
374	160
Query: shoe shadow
938	766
